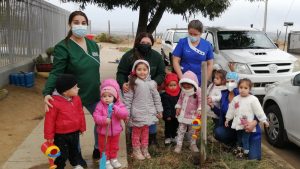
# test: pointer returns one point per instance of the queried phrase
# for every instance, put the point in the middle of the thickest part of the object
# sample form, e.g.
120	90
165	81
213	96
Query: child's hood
141	61
189	77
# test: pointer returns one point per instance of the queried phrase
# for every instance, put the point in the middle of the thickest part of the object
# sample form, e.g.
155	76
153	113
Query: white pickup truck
251	54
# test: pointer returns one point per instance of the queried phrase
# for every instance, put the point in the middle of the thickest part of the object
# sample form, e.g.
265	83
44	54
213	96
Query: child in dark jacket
65	120
169	99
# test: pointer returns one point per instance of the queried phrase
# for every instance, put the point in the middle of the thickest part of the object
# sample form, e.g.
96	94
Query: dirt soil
20	112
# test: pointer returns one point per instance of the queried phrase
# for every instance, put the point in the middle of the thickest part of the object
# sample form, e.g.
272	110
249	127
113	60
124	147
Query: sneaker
145	153
115	163
78	167
108	165
137	154
168	141
178	149
174	140
96	154
81	161
194	148
237	150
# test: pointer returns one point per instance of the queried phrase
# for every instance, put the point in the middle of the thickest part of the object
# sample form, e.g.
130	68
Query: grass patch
217	158
103	37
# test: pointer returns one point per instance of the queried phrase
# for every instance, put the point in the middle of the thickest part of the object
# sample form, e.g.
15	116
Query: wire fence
28	28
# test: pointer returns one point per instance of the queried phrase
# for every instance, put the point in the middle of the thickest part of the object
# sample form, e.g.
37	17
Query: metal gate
28	28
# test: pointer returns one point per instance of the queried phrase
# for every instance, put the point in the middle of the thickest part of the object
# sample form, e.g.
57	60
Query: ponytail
132	79
68	37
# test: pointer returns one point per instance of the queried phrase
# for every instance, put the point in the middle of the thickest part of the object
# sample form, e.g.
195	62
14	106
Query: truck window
179	35
210	39
244	40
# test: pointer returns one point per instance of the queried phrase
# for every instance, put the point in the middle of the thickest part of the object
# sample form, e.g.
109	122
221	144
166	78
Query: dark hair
196	24
133	76
138	39
246	80
72	15
222	74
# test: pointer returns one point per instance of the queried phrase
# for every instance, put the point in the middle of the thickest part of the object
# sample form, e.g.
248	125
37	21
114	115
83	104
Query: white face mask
79	30
188	91
231	85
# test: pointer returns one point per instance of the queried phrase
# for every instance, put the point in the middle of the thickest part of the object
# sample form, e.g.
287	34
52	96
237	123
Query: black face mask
144	49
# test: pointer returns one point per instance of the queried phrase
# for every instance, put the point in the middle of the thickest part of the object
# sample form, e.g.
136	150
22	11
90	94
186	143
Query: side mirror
296	80
168	42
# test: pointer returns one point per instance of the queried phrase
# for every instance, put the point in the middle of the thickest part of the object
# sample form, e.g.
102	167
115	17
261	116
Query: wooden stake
203	137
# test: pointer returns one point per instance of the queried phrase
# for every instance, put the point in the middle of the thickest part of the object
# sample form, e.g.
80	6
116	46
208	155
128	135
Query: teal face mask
79	30
193	38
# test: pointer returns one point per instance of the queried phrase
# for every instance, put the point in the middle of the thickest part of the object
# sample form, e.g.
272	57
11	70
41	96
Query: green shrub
103	37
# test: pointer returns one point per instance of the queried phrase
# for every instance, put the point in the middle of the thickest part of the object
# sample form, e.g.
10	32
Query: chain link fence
28	28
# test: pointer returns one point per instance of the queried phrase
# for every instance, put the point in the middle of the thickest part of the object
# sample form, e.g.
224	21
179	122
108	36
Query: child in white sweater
215	88
243	109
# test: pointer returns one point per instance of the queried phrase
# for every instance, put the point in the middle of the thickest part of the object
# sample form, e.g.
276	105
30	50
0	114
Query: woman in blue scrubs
191	51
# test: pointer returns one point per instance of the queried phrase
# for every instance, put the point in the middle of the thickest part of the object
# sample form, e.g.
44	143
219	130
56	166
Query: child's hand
108	121
159	115
169	118
50	141
266	124
178	112
81	133
226	123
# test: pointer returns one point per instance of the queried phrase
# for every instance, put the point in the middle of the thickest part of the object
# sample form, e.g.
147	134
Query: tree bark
143	17
156	18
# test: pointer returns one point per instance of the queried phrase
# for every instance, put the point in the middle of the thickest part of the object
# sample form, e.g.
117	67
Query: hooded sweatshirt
188	104
144	102
119	112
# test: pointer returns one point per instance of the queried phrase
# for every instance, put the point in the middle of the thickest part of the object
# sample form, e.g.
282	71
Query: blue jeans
243	139
91	108
152	129
228	136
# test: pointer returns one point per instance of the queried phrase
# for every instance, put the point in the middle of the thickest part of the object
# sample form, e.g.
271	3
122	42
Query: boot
153	140
146	152
96	155
137	154
81	161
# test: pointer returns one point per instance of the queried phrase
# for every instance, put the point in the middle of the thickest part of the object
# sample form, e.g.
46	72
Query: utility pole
108	27
265	17
132	31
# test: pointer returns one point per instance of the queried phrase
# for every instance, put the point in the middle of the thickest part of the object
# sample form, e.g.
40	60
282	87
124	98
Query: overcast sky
240	13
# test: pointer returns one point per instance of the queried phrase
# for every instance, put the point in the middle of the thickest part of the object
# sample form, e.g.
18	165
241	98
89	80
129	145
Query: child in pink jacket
187	108
110	93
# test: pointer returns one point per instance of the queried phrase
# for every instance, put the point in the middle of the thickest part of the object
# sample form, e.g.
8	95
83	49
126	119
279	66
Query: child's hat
111	90
140	61
171	77
189	77
65	82
232	76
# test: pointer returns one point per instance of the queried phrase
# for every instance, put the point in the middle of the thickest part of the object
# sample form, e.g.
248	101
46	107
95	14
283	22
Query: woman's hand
47	103
125	87
249	127
226	123
210	102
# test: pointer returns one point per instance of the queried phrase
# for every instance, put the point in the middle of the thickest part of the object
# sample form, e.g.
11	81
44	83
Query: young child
187	108
243	109
110	93
215	88
65	120
143	102
169	99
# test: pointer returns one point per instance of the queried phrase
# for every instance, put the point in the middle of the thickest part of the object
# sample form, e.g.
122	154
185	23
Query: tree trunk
143	17
156	18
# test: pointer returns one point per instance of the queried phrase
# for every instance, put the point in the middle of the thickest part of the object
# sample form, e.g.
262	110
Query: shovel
102	162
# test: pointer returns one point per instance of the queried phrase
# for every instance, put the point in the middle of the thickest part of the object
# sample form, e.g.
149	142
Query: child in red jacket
65	120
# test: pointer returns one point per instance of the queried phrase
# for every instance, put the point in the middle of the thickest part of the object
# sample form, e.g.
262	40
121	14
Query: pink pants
140	136
112	146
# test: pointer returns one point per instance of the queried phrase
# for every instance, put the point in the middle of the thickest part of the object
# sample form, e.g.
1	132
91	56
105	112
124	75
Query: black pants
68	145
171	128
